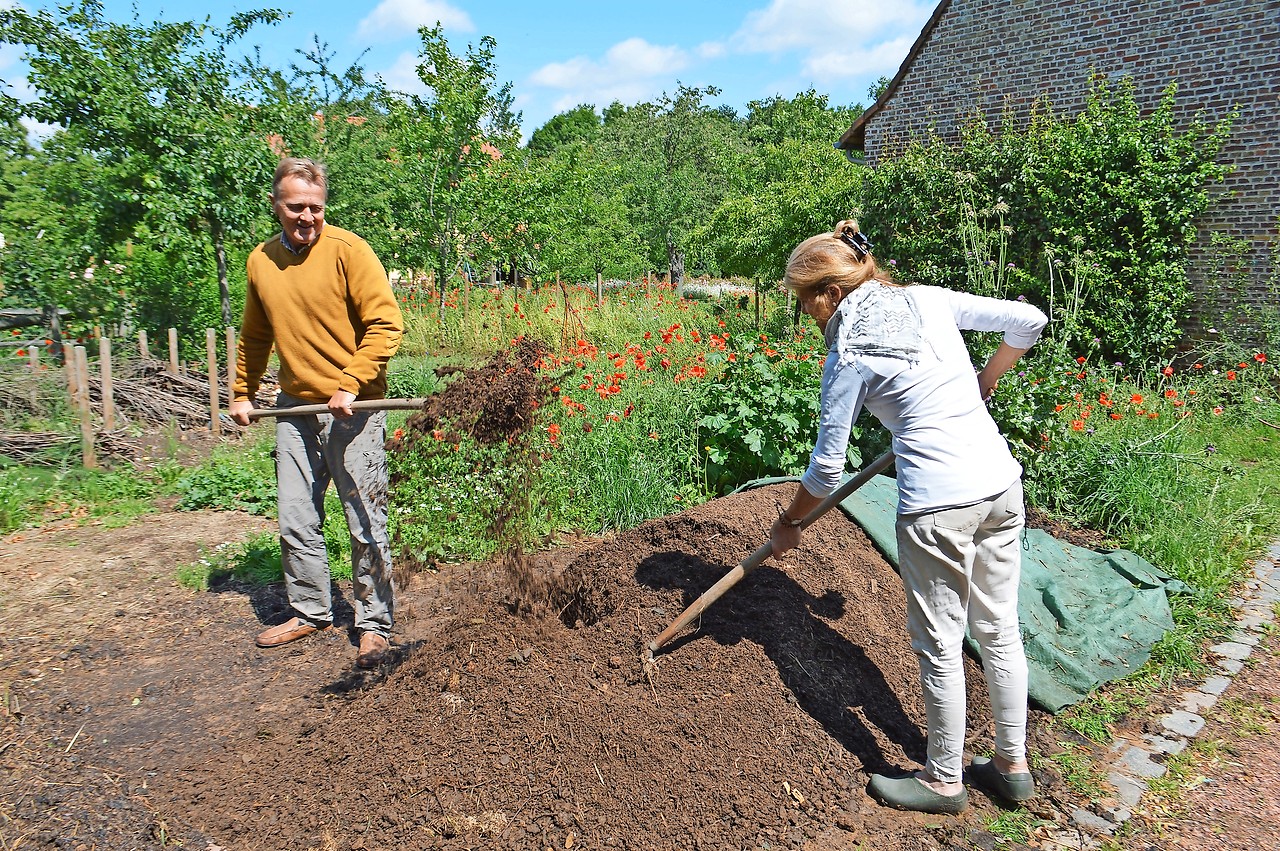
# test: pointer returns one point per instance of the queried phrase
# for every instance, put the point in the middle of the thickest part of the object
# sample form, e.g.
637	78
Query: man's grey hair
309	170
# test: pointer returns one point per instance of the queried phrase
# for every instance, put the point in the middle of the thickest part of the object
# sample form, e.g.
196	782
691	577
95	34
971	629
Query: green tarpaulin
1087	617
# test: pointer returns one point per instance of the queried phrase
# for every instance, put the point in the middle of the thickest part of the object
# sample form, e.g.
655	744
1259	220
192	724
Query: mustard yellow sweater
330	313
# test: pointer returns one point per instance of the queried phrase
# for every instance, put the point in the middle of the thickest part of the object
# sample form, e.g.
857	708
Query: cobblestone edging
1137	761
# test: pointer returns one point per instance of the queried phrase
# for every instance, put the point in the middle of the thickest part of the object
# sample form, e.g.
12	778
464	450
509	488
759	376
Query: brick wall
986	55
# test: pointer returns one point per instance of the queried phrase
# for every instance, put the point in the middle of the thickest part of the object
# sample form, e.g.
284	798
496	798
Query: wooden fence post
73	376
599	288
108	399
33	357
173	350
211	348
88	456
142	345
231	364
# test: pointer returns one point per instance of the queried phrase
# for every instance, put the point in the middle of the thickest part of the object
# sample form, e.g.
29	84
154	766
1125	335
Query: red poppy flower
1260	357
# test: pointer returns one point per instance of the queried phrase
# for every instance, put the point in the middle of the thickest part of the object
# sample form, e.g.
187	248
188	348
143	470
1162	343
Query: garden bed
491	729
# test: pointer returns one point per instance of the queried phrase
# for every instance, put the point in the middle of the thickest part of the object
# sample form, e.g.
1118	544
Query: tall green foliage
796	185
449	144
179	152
680	158
1092	216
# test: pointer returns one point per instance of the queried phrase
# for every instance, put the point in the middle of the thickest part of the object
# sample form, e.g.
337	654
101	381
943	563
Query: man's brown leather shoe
290	630
373	649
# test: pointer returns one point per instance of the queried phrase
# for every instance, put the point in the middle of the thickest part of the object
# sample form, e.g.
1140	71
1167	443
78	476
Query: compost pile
510	726
502	731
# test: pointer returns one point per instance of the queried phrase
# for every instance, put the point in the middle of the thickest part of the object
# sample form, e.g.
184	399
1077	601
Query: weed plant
235	477
255	560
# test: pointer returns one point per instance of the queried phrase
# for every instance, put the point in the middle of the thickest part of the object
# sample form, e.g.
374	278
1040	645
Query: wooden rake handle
751	562
366	405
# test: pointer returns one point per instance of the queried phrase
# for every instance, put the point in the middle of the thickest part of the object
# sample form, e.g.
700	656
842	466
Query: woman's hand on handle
785	532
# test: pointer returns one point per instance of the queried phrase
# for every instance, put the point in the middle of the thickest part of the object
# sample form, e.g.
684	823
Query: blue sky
560	54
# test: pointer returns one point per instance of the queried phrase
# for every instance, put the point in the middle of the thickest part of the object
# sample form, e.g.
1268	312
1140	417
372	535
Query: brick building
986	56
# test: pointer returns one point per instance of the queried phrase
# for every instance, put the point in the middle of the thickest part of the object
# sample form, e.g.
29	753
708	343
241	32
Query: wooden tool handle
751	562
366	405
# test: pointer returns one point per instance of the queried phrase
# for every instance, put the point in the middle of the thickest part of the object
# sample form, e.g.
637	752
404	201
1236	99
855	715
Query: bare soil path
1229	795
138	714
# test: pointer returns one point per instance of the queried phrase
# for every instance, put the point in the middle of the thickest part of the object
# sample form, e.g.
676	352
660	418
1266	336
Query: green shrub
234	478
445	498
1090	216
762	413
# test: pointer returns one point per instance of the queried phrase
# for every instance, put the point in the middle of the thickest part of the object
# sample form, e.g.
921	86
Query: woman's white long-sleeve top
906	361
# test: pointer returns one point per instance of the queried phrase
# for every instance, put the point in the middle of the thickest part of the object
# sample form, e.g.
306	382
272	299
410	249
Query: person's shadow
830	677
271	604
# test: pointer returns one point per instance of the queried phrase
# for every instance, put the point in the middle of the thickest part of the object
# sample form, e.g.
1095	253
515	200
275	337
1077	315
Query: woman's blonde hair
842	257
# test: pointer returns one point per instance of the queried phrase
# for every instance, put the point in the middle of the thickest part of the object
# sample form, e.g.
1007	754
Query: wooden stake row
77	377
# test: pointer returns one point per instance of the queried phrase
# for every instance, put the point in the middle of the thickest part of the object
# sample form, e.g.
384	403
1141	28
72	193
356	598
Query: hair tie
858	242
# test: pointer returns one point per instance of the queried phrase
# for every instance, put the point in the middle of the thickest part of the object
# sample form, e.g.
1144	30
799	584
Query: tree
590	234
682	158
580	124
796	185
183	155
450	144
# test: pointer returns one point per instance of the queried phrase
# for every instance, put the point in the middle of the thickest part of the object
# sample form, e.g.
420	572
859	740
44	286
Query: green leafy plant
233	479
762	414
1099	206
445	497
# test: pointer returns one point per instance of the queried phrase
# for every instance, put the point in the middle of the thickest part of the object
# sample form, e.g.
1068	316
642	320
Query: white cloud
630	71
830	44
402	75
882	59
712	50
821	25
392	19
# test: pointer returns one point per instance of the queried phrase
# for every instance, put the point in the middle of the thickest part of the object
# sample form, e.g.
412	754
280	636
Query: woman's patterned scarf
876	319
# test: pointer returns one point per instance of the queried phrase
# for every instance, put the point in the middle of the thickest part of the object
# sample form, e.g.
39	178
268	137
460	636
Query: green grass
1076	766
33	495
255	561
1015	826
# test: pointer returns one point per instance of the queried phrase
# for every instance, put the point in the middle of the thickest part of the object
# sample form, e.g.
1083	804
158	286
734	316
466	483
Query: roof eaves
855	138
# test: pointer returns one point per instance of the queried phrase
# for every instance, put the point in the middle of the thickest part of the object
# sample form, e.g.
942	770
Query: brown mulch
149	713
137	714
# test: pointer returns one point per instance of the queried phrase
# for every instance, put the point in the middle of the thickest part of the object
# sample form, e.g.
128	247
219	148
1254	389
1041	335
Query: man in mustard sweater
319	294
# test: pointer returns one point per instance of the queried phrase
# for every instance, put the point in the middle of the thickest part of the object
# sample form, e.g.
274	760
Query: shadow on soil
827	675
